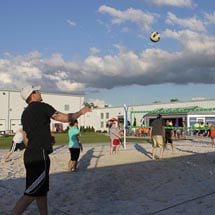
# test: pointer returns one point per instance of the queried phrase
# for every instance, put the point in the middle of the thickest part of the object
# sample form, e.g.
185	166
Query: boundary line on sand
181	203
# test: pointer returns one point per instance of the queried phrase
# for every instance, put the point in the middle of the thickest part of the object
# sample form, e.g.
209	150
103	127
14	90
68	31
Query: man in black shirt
157	134
37	135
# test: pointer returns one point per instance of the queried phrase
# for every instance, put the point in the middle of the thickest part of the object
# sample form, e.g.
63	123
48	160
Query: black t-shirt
157	127
168	132
36	123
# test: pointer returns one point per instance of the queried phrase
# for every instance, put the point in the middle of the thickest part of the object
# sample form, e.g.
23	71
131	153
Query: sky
101	49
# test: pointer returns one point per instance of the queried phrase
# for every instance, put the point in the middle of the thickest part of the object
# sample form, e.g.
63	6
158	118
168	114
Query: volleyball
154	36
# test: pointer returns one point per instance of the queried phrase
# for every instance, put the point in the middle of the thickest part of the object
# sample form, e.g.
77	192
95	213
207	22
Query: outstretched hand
85	109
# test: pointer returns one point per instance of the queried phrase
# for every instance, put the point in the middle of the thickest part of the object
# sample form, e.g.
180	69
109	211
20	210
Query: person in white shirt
115	135
17	144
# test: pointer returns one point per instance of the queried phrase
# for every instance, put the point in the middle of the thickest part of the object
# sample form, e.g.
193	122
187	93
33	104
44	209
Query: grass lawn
86	138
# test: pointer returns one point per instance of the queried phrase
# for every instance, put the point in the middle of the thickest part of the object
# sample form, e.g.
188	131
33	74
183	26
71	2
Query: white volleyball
155	36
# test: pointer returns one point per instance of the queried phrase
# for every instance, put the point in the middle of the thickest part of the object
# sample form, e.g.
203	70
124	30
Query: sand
130	183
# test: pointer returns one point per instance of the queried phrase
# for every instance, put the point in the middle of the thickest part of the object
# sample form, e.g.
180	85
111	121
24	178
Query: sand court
124	184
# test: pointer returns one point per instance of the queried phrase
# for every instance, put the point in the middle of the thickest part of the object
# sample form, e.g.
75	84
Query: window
107	115
102	124
66	107
192	121
102	115
210	119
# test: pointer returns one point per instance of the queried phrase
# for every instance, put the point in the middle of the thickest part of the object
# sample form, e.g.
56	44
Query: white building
11	107
98	117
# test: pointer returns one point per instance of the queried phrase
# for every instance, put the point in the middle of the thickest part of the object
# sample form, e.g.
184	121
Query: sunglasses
35	91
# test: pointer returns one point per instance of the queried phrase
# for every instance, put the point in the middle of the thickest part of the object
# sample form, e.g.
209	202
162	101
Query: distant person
75	145
184	129
142	121
207	130
168	135
202	129
35	120
17	144
196	128
212	134
134	124
115	135
157	135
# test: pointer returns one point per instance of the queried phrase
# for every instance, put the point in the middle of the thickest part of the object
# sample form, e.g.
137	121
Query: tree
174	100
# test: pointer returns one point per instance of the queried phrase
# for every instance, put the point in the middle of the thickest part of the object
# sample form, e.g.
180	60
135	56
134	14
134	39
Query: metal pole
125	123
8	112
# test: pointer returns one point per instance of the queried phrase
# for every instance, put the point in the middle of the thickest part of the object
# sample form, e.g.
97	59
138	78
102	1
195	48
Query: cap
26	91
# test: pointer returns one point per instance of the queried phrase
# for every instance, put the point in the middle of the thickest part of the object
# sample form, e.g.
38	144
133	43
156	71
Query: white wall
60	101
11	107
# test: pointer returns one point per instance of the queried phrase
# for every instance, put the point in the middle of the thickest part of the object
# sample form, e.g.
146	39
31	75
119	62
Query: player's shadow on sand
140	149
188	151
85	160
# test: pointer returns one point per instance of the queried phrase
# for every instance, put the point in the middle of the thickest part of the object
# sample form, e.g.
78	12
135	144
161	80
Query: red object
212	133
116	142
113	120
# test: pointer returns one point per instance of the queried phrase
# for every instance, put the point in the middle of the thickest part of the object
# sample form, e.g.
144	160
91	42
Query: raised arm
67	117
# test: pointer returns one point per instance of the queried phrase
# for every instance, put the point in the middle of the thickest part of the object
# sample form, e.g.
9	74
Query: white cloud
70	86
94	63
139	17
210	18
176	3
192	63
193	42
28	70
190	23
97	102
5	78
94	51
71	23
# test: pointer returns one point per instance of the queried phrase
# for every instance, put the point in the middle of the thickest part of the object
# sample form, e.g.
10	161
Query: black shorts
168	140
17	146
74	153
37	164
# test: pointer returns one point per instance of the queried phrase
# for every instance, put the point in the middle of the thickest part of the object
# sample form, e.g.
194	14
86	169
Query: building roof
185	110
193	109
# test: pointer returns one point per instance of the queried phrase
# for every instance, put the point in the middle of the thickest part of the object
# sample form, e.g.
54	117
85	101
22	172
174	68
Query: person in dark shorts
17	144
37	136
168	135
75	145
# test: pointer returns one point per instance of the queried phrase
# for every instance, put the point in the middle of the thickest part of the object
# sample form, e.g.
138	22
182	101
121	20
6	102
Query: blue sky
102	49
